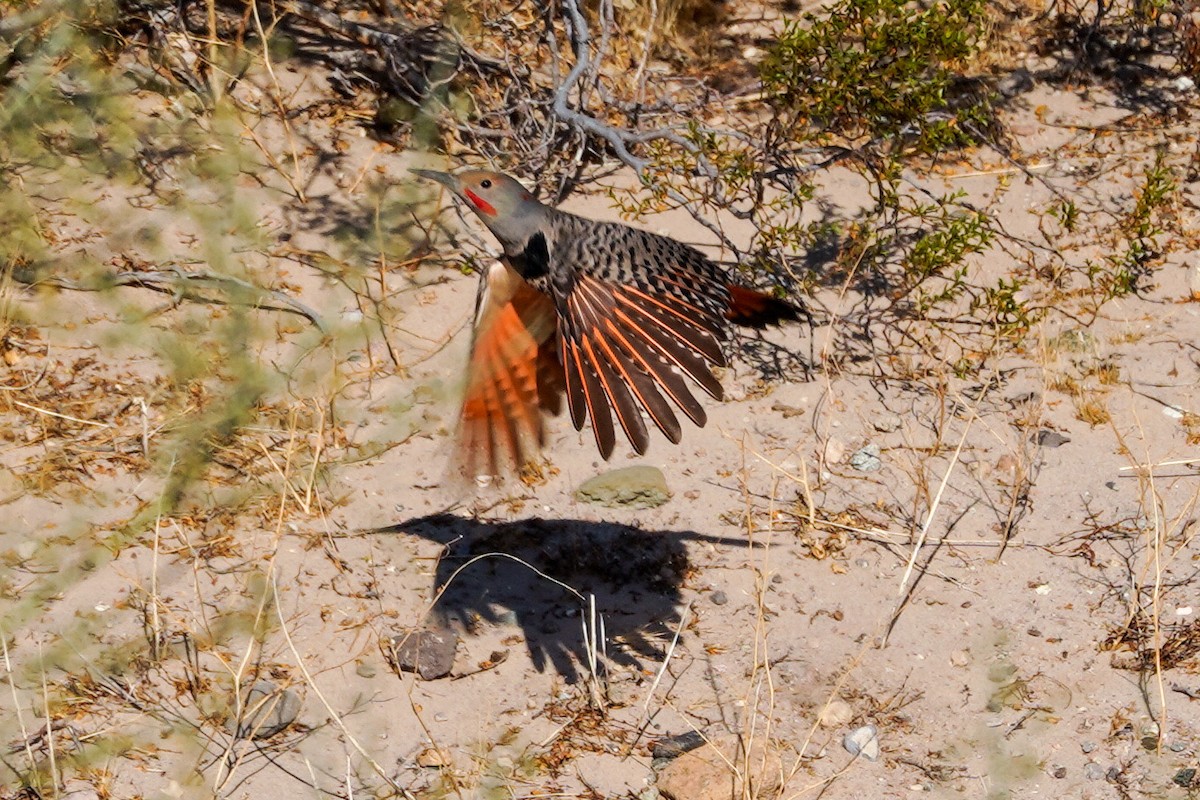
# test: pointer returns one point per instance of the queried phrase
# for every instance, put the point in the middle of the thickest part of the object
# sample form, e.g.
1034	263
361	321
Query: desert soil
990	597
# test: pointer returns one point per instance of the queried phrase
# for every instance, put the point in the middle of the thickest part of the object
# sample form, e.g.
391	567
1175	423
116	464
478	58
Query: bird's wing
623	346
509	378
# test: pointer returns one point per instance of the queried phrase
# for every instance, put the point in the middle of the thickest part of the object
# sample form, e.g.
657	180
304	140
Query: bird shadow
541	574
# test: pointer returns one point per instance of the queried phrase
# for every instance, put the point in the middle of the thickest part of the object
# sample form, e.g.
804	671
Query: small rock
674	746
364	670
863	741
1093	771
786	411
1087	747
1186	778
629	487
1007	466
705	774
960	658
1184	84
719	598
267	709
866	459
835	451
837	712
428	653
887	423
1048	438
1058	771
433	757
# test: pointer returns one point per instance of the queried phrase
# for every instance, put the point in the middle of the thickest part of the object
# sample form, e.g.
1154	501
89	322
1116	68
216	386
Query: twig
177	281
50	413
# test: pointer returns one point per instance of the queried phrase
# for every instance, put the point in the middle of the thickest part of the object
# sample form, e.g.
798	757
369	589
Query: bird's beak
444	178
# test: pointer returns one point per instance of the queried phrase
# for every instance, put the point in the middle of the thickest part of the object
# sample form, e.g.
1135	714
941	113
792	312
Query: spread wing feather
500	427
622	348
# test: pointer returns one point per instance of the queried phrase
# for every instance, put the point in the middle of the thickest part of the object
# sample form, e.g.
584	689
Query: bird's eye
486	183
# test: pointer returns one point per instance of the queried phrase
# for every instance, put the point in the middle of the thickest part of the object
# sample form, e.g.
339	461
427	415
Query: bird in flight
615	318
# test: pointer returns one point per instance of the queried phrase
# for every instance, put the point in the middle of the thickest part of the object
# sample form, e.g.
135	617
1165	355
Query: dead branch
181	284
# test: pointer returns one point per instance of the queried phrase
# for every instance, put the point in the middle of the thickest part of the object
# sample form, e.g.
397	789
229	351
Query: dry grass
212	511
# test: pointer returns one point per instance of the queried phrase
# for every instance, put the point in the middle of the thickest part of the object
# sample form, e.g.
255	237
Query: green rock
629	487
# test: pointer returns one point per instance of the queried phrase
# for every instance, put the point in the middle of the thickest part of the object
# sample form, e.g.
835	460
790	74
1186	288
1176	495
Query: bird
615	318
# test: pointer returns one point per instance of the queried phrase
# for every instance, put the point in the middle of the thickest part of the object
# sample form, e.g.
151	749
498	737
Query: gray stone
267	709
1048	438
428	653
629	487
674	746
863	741
866	459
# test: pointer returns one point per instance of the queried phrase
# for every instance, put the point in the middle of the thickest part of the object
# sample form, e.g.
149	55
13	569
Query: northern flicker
610	315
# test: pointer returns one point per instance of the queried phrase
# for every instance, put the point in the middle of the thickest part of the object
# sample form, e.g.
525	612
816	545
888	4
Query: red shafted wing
509	380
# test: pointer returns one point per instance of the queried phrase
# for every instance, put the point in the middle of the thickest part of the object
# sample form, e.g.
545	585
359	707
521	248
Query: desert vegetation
956	507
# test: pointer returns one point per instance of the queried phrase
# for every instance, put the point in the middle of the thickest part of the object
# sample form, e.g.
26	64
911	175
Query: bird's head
508	209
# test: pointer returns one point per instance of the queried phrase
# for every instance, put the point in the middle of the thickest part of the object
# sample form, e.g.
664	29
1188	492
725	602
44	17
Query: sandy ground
963	598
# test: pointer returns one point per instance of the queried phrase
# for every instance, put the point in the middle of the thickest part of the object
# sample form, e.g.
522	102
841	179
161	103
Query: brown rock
429	653
715	772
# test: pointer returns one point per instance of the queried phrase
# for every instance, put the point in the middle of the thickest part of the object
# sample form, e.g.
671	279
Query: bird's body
611	316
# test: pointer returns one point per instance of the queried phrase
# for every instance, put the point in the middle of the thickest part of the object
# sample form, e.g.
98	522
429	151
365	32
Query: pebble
887	423
675	746
429	653
1093	771
836	714
719	598
1048	438
960	658
1087	747
863	741
866	459
629	487
432	757
835	451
